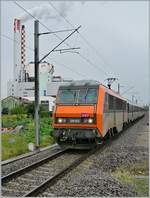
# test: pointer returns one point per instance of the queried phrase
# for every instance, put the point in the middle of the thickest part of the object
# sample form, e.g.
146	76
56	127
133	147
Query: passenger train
87	112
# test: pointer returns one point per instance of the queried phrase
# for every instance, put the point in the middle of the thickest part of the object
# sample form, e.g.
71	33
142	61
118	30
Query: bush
14	144
14	120
19	110
30	109
44	114
5	110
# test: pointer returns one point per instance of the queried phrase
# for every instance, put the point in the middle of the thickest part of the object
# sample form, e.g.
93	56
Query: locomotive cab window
91	96
66	96
77	96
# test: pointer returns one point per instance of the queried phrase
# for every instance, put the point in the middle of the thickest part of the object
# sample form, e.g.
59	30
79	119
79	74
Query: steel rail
32	166
52	180
27	155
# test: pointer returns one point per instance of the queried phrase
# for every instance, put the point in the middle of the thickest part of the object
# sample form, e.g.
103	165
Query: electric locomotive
87	112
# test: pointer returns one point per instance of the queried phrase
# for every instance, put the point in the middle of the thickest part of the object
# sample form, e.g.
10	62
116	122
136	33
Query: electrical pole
132	98
37	61
36	74
118	88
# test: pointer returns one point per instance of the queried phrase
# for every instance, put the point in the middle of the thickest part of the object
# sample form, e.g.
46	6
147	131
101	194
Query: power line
87	60
59	44
49	29
14	40
51	59
84	39
25	10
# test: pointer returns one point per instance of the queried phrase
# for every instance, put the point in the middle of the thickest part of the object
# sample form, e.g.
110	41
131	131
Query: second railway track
33	179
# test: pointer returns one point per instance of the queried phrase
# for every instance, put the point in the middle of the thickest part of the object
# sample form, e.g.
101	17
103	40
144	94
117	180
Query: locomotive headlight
60	120
90	120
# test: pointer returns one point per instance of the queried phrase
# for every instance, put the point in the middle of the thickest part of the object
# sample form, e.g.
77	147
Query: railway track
19	182
29	155
32	179
11	165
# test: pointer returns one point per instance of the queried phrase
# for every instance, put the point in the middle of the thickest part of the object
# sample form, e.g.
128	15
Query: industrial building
22	84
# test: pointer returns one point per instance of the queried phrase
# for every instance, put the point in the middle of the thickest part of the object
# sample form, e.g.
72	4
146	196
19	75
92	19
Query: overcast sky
117	33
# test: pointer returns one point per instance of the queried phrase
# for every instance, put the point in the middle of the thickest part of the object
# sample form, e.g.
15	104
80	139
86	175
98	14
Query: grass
142	187
14	144
140	169
129	177
123	175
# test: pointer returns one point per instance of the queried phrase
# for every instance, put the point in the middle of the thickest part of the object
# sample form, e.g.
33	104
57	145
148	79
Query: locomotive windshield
77	96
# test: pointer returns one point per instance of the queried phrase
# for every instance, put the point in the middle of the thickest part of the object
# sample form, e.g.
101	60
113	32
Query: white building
26	88
23	83
53	86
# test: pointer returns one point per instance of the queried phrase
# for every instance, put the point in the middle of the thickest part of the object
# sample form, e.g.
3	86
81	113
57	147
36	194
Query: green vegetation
14	144
5	110
123	175
142	187
21	109
134	176
14	120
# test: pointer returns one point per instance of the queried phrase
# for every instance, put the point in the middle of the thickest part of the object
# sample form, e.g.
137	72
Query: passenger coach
86	112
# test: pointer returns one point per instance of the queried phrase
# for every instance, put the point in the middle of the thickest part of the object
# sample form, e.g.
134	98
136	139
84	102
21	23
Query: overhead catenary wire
82	37
86	41
89	62
51	59
59	44
25	10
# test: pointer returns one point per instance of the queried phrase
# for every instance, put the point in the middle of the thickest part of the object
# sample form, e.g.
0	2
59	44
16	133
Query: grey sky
118	30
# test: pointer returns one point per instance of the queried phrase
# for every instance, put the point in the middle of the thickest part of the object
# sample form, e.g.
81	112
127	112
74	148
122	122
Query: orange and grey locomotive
87	112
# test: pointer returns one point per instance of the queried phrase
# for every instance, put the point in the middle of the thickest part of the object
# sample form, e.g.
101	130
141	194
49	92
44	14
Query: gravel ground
94	176
21	185
8	168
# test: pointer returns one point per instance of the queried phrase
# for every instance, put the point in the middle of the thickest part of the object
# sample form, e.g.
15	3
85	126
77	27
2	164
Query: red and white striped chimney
23	45
23	53
19	51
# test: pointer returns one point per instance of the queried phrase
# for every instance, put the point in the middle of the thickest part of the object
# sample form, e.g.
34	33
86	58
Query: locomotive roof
81	83
92	83
113	93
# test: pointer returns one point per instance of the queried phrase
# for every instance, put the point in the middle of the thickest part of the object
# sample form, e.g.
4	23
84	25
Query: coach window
110	100
119	104
128	106
106	106
124	105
